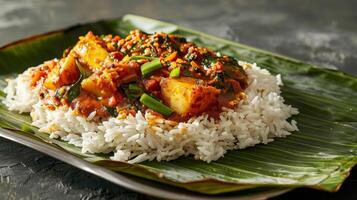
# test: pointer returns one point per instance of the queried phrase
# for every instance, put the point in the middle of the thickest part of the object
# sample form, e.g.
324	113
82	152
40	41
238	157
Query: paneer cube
106	82
64	73
101	85
90	52
87	51
186	97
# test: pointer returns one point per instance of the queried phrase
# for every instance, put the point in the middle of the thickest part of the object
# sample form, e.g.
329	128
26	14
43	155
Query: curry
113	76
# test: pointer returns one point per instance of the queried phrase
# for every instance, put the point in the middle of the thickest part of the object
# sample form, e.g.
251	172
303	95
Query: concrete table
319	32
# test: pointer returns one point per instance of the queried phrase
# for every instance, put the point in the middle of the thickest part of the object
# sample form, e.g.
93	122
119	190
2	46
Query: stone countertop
319	32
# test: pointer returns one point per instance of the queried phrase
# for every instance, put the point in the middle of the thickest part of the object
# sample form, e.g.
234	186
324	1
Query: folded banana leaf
320	155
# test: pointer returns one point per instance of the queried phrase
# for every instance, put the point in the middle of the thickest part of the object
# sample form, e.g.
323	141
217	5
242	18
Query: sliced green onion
175	72
134	91
149	67
135	88
155	105
142	57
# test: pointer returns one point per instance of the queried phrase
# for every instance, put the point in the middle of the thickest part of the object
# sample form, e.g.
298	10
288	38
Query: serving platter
320	155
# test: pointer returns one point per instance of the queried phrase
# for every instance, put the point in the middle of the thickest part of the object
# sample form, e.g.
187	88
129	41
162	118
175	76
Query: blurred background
321	32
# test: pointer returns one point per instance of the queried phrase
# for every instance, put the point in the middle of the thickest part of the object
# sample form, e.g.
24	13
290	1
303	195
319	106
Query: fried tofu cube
87	51
186	97
52	80
90	52
91	84
64	73
100	85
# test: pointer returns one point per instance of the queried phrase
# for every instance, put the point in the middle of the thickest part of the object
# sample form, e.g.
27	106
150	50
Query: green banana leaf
319	156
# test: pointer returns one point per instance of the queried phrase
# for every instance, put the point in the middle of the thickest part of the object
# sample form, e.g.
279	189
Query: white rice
260	117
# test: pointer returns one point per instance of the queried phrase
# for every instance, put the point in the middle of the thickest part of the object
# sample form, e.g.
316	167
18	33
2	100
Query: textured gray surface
320	32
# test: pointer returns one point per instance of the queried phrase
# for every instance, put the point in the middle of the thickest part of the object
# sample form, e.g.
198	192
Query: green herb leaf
74	90
83	70
219	81
208	61
112	111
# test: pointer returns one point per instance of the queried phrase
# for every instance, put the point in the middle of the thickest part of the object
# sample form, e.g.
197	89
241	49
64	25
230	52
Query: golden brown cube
64	73
90	52
187	97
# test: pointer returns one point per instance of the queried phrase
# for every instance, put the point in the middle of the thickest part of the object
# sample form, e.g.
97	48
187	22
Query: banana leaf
320	155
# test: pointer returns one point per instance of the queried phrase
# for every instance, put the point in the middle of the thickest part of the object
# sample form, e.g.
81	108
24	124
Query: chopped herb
112	111
160	40
115	45
84	71
74	90
208	61
232	68
133	91
219	80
